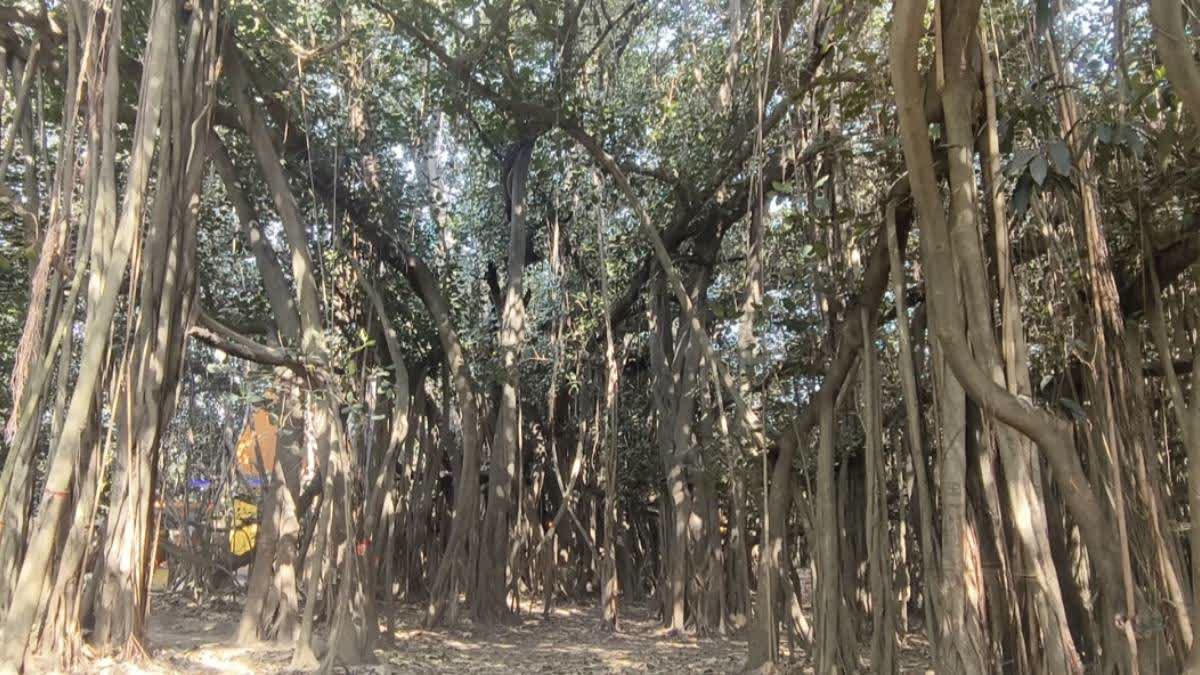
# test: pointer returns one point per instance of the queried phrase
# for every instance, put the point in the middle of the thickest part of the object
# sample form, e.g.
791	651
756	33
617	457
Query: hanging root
31	334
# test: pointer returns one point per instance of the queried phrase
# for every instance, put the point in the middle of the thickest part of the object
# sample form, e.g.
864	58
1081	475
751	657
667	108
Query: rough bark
491	602
916	441
66	449
879	550
1053	435
609	582
335	460
831	654
1026	503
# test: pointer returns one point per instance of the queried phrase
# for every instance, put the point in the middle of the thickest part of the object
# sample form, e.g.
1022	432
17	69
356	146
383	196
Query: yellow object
158	582
243	511
255	452
245	527
257	442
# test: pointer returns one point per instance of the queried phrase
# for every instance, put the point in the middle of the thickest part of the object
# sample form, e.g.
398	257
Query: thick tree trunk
959	647
916	441
831	654
335	459
27	604
451	574
146	397
609	582
879	550
1053	435
669	357
1026	502
491	603
1109	383
272	599
1187	414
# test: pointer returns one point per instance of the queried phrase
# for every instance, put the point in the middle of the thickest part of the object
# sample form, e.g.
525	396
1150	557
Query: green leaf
1020	159
1021	195
1045	14
781	187
1137	144
1038	169
1060	156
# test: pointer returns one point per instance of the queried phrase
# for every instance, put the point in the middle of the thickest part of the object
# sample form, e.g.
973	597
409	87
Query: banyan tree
865	332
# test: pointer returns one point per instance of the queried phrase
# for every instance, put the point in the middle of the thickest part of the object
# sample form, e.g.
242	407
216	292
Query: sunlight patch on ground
570	641
214	660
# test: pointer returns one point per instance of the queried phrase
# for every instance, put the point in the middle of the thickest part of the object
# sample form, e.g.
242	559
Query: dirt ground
189	639
185	638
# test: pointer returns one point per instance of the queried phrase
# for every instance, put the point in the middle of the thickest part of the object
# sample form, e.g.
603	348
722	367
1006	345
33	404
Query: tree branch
219	336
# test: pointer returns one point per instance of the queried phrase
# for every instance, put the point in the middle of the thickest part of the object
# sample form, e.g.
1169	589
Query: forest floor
192	639
186	638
